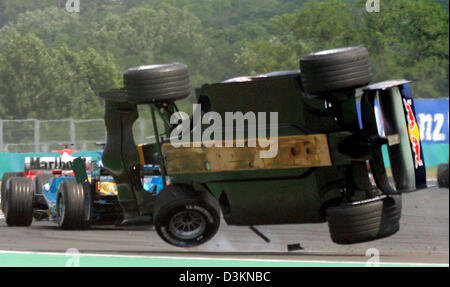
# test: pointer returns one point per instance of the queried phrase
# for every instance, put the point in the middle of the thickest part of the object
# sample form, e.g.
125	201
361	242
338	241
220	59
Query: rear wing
400	122
52	163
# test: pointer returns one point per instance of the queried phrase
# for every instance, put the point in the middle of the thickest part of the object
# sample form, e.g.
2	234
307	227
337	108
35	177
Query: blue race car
104	208
91	203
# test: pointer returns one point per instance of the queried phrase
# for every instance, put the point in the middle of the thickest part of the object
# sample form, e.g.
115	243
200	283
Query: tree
9	9
148	36
406	40
48	83
52	63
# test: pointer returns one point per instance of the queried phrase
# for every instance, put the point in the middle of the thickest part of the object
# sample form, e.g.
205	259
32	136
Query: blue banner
432	117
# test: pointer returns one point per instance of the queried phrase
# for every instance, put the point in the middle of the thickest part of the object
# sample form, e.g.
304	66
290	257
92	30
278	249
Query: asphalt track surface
423	238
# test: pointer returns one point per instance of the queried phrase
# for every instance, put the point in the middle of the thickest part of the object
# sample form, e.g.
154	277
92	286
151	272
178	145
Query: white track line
218	259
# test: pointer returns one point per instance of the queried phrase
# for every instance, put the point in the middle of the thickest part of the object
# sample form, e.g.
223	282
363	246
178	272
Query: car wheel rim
187	224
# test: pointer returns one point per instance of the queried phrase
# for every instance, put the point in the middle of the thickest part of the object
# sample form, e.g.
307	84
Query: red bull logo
414	134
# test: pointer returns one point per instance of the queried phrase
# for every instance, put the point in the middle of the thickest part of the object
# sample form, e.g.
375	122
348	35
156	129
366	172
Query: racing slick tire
366	220
157	83
335	69
40	180
73	206
19	202
5	178
442	175
185	217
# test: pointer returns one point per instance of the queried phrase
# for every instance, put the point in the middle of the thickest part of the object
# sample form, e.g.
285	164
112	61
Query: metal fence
31	135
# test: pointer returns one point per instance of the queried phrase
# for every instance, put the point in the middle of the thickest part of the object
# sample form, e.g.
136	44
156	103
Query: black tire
40	180
442	175
365	220
5	178
157	83
336	69
178	204
73	206
19	202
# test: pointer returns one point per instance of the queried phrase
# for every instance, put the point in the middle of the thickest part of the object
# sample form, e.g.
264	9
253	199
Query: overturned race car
325	154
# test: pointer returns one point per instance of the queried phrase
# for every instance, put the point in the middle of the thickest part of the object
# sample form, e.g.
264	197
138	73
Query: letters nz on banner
433	119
